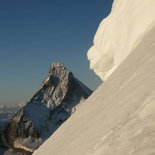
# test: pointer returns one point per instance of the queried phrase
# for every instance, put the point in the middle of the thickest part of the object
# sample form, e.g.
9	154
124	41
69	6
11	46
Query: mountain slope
119	117
57	99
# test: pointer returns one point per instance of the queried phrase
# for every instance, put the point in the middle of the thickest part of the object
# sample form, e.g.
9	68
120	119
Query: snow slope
119	34
119	117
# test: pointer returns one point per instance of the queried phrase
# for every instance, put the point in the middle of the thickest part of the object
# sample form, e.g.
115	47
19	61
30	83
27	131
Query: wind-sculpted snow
119	117
119	34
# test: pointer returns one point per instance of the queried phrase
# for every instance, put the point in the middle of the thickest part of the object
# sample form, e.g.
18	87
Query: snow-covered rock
119	34
57	99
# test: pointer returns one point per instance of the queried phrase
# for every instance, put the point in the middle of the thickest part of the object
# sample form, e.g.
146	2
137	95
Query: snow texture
119	34
118	118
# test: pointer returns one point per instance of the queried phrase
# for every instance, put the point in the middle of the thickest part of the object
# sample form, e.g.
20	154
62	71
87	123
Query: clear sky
35	33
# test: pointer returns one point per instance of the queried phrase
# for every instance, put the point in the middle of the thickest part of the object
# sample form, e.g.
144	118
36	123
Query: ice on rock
119	33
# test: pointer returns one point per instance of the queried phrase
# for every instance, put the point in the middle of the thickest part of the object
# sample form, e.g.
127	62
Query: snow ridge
119	34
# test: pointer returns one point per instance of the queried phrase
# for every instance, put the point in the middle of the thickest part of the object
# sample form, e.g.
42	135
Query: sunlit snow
119	34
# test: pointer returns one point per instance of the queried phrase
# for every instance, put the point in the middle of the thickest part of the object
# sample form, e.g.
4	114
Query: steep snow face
119	34
119	117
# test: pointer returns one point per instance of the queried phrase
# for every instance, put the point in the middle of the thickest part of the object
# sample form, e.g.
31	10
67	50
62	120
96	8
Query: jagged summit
46	111
57	67
57	86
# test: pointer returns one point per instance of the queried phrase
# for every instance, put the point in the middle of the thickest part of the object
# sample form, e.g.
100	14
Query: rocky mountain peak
57	68
56	88
56	100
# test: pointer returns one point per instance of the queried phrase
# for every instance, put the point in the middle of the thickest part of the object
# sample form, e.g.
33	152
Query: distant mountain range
6	112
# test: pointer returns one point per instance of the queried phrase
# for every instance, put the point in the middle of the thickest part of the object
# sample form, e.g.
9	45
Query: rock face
57	99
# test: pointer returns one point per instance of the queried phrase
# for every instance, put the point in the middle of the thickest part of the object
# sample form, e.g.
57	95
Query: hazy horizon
36	34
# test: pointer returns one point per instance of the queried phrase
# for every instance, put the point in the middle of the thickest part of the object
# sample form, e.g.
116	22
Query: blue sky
35	33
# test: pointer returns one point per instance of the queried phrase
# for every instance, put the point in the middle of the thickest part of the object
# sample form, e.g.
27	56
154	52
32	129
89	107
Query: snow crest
120	33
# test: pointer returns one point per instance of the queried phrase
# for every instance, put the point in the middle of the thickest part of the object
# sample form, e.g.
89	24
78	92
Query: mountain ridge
55	102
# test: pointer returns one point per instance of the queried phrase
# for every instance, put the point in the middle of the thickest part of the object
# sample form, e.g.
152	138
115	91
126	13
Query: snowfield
119	117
